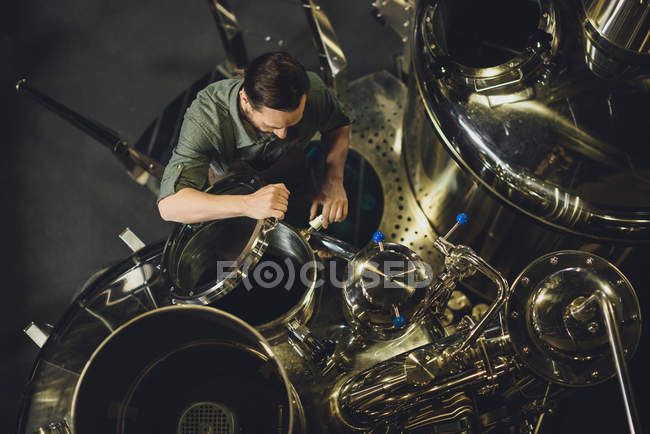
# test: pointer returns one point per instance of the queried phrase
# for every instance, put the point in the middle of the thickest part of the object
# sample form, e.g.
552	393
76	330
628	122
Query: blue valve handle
378	237
398	320
461	219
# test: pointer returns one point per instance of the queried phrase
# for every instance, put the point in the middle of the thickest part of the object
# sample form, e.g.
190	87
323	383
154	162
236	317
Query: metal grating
206	418
377	102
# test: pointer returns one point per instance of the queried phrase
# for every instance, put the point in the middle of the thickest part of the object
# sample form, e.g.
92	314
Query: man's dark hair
275	80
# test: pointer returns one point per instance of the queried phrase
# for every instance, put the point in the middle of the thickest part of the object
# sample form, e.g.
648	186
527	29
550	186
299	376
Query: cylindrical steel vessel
506	122
185	369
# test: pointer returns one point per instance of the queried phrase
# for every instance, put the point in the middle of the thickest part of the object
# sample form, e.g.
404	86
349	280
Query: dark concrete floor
65	198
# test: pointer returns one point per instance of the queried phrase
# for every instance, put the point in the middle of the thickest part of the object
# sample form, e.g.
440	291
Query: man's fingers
345	210
279	192
278	214
339	212
333	212
282	187
314	209
284	201
326	214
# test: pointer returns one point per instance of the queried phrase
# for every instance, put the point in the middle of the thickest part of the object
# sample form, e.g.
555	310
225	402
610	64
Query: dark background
65	198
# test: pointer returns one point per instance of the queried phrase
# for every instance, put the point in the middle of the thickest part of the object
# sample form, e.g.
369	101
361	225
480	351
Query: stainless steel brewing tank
506	122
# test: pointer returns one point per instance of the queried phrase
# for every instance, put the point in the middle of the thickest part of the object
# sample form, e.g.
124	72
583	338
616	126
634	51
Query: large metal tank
507	121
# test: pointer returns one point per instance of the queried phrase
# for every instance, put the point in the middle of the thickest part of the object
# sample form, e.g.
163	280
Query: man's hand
269	201
334	200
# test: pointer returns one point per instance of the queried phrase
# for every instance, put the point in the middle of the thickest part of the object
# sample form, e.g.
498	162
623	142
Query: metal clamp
498	85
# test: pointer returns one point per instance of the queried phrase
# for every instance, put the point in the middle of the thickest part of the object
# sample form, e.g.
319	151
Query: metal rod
619	360
134	161
99	132
230	34
502	291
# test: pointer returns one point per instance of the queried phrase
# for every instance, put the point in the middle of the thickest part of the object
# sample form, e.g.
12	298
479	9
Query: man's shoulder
219	91
316	84
212	103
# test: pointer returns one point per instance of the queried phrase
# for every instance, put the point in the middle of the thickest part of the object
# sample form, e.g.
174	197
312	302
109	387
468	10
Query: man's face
272	121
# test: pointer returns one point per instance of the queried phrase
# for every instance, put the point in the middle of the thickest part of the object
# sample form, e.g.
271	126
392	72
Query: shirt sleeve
331	114
190	160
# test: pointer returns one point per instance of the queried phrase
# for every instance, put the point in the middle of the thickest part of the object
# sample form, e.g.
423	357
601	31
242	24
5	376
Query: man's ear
244	97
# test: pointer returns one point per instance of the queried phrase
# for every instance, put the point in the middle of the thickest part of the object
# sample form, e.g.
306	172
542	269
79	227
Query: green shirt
213	134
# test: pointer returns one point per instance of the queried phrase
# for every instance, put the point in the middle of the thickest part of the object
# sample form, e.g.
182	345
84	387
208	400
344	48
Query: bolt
406	24
151	166
554	260
634	317
267	38
526	350
191	293
620	282
593	327
595	373
427	19
590	261
515	315
525	281
404	39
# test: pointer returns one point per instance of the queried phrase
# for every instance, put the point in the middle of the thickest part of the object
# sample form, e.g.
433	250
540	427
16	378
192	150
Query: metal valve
398	320
378	237
461	219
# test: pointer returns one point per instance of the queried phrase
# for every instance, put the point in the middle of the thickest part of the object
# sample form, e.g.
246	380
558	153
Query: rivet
515	315
191	293
590	261
525	281
620	282
554	260
595	373
526	350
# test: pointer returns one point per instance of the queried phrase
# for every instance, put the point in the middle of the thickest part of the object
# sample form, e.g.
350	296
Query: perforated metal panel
378	103
206	418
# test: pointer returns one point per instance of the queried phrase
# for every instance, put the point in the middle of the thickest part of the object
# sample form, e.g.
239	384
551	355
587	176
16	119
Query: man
266	120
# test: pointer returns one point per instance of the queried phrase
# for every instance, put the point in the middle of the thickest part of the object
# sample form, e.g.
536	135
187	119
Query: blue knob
399	321
378	237
462	218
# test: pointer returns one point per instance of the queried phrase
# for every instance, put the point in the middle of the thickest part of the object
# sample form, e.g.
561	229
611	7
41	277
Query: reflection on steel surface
331	56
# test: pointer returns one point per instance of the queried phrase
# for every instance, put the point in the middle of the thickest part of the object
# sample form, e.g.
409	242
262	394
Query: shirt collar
245	133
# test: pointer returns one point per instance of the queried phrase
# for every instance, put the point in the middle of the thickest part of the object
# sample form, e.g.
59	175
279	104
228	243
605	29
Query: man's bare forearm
338	141
192	206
